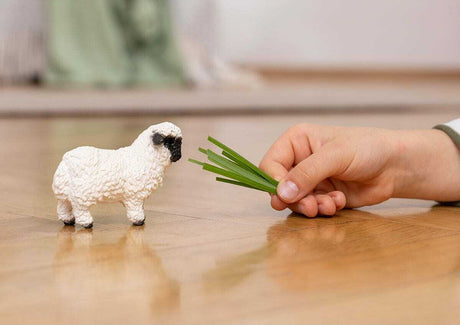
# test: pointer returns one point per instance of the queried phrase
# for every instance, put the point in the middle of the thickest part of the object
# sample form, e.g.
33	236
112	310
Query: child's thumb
304	177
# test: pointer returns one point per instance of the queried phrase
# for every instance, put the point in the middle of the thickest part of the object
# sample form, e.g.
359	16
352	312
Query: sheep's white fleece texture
87	175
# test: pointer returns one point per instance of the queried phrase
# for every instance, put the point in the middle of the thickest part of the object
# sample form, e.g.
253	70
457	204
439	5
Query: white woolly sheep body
88	175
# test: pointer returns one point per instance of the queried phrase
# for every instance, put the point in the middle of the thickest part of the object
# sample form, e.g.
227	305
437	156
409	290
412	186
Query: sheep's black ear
158	138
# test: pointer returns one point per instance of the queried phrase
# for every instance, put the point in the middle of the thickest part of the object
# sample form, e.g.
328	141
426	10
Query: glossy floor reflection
86	269
210	253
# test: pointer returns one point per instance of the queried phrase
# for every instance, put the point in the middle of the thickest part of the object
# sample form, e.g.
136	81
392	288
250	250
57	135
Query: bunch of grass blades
236	169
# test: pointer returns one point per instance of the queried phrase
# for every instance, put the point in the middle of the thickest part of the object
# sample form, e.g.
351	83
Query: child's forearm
426	165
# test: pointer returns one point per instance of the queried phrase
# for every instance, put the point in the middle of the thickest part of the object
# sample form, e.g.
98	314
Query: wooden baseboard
302	74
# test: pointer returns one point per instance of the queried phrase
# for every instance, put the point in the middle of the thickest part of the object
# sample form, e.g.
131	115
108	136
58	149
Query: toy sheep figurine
87	175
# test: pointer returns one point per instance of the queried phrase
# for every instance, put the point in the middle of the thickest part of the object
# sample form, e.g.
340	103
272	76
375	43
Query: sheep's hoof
138	223
69	223
88	226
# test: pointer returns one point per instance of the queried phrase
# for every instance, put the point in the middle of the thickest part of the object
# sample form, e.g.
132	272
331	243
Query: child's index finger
279	159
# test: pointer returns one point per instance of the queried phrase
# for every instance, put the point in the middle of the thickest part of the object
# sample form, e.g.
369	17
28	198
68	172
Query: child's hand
322	169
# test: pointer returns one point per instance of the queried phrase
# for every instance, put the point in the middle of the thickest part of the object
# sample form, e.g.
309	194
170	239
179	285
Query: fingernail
288	190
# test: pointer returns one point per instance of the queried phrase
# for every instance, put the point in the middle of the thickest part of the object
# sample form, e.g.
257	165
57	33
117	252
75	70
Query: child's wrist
426	165
404	179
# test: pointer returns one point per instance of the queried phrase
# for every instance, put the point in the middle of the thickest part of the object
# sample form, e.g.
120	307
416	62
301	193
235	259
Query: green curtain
112	43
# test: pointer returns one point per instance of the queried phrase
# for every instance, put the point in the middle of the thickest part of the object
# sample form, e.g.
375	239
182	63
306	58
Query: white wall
197	19
340	33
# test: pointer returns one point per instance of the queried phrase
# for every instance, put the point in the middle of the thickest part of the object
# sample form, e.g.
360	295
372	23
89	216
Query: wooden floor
211	253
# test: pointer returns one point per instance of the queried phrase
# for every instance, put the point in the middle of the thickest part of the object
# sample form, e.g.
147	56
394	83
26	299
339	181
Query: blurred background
61	57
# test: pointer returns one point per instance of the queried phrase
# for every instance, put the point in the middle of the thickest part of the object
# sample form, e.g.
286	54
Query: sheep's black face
173	144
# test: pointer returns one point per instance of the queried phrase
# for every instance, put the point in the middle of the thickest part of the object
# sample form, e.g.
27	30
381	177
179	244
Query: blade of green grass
226	154
230	165
196	162
263	188
237	177
231	181
242	160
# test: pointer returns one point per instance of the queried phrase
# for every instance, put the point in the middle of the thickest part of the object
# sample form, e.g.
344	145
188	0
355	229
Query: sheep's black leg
88	226
82	216
64	211
135	212
138	223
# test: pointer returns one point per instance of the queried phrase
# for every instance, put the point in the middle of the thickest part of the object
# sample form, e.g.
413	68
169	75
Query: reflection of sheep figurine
136	266
87	175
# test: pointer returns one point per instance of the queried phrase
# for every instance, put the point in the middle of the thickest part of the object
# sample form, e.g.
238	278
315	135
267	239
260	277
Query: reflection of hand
300	255
323	169
288	242
296	242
